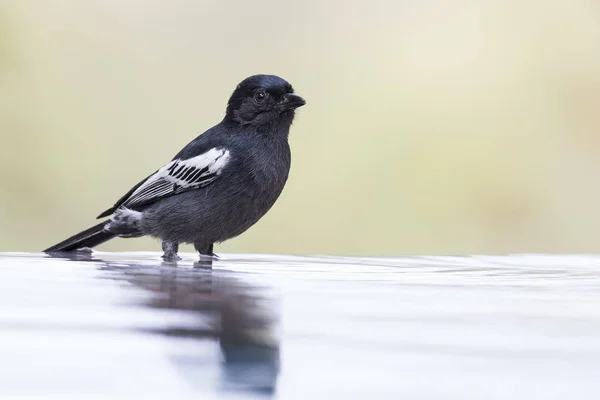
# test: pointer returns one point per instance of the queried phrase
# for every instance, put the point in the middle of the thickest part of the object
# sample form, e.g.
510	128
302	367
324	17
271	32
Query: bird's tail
91	237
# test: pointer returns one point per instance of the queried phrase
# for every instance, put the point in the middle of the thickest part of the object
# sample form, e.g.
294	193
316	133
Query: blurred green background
432	127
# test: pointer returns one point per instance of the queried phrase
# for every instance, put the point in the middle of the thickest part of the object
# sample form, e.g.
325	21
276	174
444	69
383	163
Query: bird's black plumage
218	185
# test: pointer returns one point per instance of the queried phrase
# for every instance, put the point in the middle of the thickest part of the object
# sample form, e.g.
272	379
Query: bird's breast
270	170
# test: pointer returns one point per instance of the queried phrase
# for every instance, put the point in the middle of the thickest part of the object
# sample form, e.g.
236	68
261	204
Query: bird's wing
177	176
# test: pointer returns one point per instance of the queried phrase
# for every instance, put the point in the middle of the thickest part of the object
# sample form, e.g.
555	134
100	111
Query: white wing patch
179	175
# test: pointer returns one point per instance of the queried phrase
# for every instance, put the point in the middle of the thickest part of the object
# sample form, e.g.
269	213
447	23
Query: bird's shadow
239	316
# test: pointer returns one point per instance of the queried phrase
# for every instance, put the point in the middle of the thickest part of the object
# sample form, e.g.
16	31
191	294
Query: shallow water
124	325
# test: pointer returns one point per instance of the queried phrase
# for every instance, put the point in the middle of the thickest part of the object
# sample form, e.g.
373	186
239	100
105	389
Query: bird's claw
171	257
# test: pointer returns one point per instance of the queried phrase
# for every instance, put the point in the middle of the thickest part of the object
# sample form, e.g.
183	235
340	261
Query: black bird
217	186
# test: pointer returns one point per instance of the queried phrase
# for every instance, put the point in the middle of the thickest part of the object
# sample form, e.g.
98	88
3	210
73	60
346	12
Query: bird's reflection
240	316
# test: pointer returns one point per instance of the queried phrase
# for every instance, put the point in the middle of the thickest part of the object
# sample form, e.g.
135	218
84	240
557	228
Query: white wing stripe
191	173
209	163
151	192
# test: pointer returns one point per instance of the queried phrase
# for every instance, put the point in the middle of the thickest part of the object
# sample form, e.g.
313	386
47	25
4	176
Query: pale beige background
431	126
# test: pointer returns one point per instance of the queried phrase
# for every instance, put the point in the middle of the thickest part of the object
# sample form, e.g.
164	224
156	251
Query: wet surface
126	325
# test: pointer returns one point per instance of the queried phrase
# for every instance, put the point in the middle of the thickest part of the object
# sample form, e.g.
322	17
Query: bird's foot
204	261
171	257
170	251
206	255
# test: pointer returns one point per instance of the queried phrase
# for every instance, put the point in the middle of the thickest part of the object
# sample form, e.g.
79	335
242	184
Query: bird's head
263	101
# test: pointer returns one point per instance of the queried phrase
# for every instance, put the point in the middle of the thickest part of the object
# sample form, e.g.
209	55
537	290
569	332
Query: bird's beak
291	101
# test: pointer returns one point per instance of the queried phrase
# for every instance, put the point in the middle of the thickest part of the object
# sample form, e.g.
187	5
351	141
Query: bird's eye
260	96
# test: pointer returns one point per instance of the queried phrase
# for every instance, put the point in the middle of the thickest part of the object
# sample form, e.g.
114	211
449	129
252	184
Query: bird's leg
206	253
170	250
203	249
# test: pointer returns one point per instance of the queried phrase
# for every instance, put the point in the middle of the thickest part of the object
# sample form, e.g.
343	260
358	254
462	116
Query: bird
218	186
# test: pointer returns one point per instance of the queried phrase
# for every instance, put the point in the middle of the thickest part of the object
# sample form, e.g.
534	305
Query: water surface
126	325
